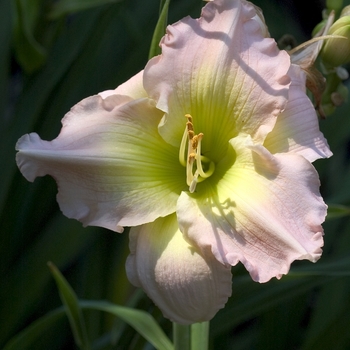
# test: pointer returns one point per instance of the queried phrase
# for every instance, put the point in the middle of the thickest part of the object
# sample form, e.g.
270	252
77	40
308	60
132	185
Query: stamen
194	182
182	152
189	168
193	156
201	159
209	172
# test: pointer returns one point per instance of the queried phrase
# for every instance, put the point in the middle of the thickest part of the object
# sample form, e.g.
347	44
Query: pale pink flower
241	189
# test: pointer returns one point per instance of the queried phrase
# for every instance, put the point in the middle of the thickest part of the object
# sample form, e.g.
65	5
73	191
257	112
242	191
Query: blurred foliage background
55	53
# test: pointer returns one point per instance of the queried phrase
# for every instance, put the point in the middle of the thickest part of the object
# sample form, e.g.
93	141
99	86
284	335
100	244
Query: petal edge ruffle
266	212
297	128
221	70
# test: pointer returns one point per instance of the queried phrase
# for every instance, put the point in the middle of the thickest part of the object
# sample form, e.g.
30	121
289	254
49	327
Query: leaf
337	267
337	211
24	339
65	7
141	321
27	278
30	54
5	53
159	31
250	299
330	318
73	310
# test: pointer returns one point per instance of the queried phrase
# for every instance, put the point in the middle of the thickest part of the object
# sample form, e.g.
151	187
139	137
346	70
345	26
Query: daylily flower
206	154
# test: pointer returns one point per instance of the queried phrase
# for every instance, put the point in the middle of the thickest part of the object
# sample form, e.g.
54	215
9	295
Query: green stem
200	336
181	337
193	337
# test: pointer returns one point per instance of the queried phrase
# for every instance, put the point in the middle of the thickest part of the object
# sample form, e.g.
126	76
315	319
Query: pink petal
266	212
132	88
112	167
297	129
221	70
188	286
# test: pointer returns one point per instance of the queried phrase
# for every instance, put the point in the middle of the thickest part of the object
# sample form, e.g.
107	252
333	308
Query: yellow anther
194	142
189	117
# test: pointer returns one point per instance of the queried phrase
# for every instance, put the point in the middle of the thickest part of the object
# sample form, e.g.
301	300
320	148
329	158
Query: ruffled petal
187	285
132	88
297	130
112	167
266	211
221	70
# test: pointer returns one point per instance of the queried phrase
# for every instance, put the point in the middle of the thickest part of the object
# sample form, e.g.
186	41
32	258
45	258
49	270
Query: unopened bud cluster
336	51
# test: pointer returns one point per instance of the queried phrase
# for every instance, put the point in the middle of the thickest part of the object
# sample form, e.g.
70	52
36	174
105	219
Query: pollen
193	159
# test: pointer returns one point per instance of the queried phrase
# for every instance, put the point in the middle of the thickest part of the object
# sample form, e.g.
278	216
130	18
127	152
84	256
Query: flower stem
181	337
200	336
193	337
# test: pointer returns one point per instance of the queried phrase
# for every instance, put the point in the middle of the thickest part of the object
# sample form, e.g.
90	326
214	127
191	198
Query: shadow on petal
265	219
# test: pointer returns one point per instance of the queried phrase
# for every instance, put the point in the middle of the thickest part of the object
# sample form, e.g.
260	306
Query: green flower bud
334	4
336	51
345	11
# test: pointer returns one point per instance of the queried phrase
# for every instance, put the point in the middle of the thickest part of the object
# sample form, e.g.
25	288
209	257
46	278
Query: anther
194	142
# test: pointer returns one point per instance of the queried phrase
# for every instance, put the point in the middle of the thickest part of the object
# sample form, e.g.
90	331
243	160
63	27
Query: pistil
193	162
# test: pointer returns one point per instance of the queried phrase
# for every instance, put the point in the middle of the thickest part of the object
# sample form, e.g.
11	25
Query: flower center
195	163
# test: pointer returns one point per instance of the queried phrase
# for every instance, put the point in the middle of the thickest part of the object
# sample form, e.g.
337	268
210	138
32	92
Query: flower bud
345	11
334	4
336	51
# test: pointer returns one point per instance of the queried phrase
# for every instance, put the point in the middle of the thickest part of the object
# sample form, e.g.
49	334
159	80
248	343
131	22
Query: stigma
193	160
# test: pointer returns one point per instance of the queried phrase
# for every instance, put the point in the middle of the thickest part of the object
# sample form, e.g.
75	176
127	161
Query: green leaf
141	321
29	53
159	31
73	310
339	267
250	299
65	7
29	109
24	339
337	211
28	277
330	318
5	52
